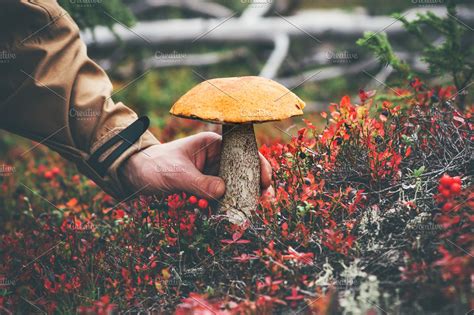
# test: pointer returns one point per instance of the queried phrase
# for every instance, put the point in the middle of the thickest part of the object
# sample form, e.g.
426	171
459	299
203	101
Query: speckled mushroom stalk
240	170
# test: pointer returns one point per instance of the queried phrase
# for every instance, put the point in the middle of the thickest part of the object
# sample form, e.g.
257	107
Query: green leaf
418	172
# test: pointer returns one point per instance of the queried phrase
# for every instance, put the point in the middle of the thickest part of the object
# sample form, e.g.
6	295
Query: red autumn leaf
408	152
72	202
304	258
118	214
244	258
294	295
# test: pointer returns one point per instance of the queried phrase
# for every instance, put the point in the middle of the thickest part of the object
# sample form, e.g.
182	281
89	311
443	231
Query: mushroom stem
240	170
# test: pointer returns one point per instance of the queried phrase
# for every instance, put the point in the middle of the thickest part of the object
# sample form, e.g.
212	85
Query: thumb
205	186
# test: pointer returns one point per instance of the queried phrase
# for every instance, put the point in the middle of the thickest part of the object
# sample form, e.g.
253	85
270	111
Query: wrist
126	170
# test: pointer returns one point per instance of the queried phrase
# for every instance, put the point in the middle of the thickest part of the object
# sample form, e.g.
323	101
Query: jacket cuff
111	182
144	142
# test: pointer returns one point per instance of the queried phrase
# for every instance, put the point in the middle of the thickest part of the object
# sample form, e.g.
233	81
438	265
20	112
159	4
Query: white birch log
315	25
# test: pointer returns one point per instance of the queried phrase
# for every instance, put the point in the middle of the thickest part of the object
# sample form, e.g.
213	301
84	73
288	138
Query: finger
206	142
266	172
213	143
204	186
204	148
269	192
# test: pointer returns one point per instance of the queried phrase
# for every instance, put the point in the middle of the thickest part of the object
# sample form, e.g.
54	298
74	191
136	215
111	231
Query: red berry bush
372	214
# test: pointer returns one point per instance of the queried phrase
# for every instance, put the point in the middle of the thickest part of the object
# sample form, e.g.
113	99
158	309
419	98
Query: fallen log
313	24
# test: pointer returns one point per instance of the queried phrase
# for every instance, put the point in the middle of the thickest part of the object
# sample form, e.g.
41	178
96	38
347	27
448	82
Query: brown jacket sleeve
51	92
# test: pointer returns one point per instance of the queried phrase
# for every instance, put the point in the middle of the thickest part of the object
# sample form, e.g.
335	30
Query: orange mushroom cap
237	100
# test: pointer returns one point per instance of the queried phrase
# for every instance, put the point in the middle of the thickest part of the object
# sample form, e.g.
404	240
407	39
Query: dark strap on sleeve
128	137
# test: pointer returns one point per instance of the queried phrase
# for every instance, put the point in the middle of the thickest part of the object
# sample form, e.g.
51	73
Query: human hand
189	164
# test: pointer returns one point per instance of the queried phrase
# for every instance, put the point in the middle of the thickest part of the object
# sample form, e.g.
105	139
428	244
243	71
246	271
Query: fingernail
217	187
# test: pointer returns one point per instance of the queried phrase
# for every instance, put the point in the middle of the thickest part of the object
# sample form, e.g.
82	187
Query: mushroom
237	103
